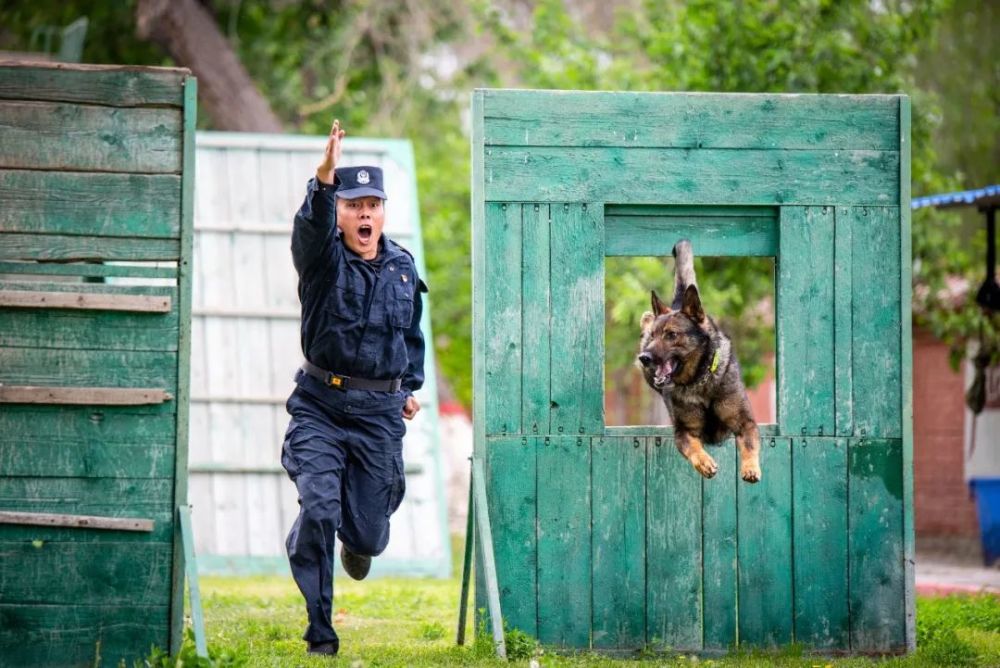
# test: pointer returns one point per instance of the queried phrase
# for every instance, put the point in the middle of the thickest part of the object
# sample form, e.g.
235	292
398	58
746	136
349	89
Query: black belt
349	383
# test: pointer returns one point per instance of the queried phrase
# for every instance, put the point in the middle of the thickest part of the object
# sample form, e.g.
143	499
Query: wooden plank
564	520
681	176
764	547
74	137
843	333
87	301
136	205
819	512
87	270
89	573
88	330
577	336
719	524
109	85
690	120
74	248
906	352
191	574
484	534
536	305
76	521
804	321
619	542
876	322
88	368
183	359
644	431
75	635
88	396
673	549
877	575
656	232
511	485
501	292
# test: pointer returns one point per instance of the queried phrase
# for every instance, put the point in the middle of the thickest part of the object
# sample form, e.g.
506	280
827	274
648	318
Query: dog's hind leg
690	446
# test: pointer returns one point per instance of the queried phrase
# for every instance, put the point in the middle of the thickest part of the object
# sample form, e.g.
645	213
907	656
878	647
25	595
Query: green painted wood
536	304
719	531
843	334
74	248
60	636
618	472
673	549
88	368
681	176
875	550
191	574
183	361
86	269
804	322
906	352
564	553
690	120
656	230
73	137
819	516
484	538
510	482
764	547
107	85
88	573
89	330
502	338
577	334
479	287
79	203
876	321
643	431
76	441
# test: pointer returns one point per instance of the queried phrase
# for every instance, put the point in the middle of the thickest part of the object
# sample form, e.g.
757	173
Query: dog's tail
683	271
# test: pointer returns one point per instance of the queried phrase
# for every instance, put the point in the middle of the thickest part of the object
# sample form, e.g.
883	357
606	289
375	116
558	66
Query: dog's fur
689	362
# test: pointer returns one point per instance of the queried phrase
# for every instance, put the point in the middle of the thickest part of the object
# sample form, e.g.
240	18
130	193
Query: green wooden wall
96	168
605	537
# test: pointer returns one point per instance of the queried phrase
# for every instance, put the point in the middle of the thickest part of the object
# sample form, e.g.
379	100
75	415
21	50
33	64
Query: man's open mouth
664	373
365	233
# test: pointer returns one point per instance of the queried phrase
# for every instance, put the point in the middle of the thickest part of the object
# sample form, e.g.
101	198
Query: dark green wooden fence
96	168
606	537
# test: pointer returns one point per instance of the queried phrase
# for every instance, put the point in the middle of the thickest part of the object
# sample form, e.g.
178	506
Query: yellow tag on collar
715	361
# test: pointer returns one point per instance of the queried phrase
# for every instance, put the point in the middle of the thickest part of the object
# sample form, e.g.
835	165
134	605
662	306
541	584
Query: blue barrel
987	493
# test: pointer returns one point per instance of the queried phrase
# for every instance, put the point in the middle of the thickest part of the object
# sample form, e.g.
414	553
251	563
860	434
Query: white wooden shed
245	349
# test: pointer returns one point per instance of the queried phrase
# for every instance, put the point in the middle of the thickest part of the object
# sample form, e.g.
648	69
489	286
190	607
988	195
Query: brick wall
942	506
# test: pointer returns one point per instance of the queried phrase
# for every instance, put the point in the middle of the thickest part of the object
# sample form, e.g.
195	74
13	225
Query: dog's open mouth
365	233
664	373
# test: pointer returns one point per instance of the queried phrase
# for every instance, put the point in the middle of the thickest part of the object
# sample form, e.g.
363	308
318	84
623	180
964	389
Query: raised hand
331	156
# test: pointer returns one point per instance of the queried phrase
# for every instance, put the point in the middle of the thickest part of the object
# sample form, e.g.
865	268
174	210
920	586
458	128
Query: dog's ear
692	304
646	321
659	308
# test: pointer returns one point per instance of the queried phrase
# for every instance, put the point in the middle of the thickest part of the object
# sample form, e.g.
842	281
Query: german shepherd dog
689	361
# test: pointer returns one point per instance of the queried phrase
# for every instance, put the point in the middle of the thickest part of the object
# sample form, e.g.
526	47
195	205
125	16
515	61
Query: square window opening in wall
737	292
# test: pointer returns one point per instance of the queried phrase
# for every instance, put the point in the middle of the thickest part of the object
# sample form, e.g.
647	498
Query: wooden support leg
191	569
463	604
484	535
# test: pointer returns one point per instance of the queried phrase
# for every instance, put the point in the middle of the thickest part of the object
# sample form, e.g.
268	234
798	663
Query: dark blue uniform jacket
359	318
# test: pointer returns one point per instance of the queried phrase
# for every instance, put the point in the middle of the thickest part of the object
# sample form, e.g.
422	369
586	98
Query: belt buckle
336	381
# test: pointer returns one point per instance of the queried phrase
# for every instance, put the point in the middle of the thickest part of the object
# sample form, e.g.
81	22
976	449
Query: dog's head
672	342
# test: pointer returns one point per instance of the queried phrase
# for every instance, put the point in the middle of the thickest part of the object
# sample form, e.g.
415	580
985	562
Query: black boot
324	648
355	565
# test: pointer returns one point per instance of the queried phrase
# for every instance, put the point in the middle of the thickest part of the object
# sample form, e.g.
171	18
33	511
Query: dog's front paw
704	464
750	470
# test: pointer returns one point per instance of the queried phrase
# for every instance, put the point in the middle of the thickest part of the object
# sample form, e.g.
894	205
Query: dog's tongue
666	369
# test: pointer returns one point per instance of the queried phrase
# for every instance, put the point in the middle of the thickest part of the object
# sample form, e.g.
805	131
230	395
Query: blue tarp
963	198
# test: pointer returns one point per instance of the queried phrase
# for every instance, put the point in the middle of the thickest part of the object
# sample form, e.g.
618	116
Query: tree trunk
189	34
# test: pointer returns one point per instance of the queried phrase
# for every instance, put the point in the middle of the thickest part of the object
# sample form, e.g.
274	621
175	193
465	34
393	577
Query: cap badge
363	177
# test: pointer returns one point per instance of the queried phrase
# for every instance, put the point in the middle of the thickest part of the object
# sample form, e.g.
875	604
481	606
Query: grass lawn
258	621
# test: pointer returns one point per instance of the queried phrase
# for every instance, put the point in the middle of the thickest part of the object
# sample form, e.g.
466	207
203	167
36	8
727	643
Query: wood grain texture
819	514
682	176
536	304
577	336
88	368
81	203
719	529
673	549
690	120
88	396
502	334
564	552
653	230
843	334
75	248
765	550
86	301
115	86
90	330
804	321
618	472
86	269
76	521
73	137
